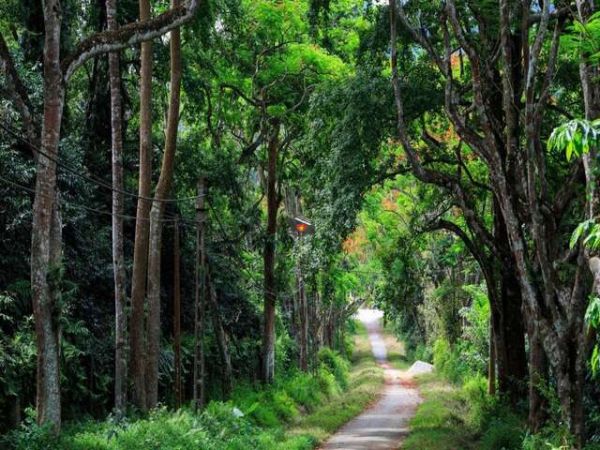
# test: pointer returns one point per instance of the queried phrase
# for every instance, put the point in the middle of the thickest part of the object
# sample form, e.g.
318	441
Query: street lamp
302	226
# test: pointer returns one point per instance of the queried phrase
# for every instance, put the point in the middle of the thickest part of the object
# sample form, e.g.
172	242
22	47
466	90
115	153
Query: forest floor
385	424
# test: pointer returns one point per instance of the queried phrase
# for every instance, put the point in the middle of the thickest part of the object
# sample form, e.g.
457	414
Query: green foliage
592	319
335	364
503	432
575	137
584	38
252	419
447	361
474	343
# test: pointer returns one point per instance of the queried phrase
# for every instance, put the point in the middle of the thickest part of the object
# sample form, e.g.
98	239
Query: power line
173	220
87	208
94	180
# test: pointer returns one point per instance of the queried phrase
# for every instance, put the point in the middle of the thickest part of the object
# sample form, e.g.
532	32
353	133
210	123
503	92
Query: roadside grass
442	421
365	381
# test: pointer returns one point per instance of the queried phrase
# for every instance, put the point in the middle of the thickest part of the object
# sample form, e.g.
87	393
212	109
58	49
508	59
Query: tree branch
127	36
16	92
442	224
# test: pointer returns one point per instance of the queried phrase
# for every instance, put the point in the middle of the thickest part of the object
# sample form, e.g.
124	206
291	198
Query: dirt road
384	425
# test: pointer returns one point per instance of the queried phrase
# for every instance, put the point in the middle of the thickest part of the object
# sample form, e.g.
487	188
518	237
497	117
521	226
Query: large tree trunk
117	212
156	219
510	337
142	226
45	242
270	296
200	298
177	316
589	74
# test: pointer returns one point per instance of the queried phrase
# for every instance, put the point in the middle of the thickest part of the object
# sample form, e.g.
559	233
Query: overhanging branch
127	36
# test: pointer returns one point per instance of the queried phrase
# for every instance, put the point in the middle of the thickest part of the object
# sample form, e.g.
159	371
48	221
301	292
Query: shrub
284	405
481	405
305	390
447	361
503	433
327	383
336	365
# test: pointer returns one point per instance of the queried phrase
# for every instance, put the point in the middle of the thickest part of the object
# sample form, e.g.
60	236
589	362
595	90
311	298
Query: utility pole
200	298
177	315
301	227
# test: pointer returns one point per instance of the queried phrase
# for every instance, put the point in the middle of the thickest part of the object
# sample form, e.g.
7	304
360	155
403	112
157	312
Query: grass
442	420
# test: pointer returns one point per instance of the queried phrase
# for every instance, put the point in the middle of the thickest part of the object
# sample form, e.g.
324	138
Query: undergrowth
296	412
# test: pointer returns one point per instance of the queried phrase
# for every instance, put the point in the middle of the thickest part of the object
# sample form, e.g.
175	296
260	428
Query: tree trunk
492	362
538	370
199	302
15	411
270	296
117	221
142	226
156	219
177	316
221	339
510	353
45	240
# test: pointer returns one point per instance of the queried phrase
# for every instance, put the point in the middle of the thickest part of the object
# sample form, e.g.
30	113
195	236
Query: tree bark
270	296
510	330
156	219
177	316
199	301
117	212
140	249
46	230
492	362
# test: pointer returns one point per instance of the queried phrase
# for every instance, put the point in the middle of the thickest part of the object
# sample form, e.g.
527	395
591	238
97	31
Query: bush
447	361
252	419
305	390
327	382
481	405
336	365
284	405
503	433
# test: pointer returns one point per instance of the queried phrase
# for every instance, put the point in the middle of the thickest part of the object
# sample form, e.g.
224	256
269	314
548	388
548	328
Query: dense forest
196	197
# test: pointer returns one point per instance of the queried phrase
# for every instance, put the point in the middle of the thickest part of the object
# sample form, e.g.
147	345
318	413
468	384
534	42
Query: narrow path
384	425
